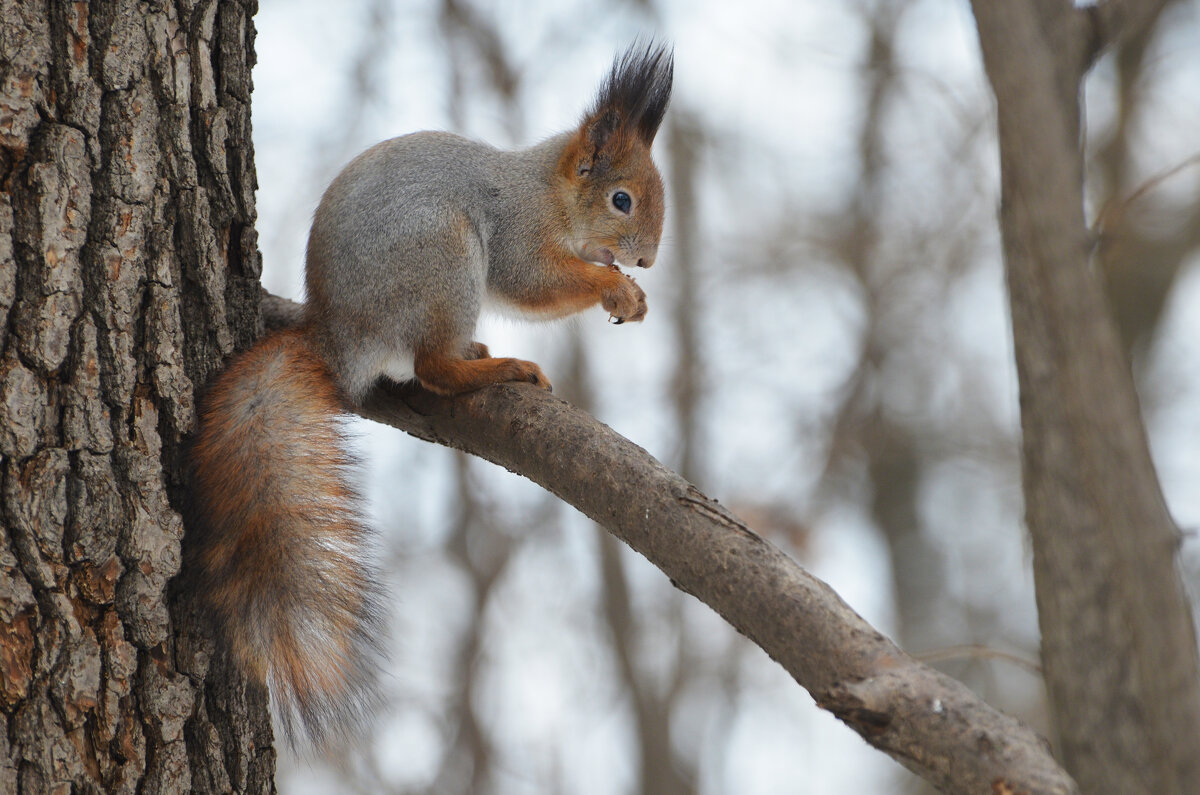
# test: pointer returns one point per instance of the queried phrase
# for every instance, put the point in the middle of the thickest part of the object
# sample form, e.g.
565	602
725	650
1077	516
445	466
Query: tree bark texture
128	270
1118	645
927	721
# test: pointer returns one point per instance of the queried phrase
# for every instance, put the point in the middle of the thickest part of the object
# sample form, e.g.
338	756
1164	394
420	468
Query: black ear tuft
638	89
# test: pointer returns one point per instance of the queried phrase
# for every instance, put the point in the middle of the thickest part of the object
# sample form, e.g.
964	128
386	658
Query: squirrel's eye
622	202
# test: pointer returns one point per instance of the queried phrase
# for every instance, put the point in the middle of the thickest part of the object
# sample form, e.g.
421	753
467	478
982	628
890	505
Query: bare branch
980	652
1112	212
926	720
1113	21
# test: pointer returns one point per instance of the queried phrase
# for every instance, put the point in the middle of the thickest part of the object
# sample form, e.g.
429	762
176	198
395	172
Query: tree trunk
1118	644
128	271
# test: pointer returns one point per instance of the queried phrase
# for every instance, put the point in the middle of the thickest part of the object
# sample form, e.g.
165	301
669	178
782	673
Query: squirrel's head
611	189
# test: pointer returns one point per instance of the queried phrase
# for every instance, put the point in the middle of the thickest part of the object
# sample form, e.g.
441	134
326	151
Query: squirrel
408	243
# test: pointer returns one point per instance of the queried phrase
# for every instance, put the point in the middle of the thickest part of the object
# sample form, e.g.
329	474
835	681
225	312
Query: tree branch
1115	20
929	722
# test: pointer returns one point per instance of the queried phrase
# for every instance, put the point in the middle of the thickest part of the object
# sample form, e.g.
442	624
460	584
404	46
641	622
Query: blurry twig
980	652
1112	21
1115	209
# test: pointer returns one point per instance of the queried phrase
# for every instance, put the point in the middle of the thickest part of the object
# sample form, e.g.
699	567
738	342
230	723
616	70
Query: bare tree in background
1143	240
1118	643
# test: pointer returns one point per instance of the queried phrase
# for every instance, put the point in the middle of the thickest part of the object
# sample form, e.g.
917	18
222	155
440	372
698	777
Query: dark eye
622	201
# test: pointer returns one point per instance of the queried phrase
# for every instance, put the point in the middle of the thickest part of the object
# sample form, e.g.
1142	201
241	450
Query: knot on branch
846	701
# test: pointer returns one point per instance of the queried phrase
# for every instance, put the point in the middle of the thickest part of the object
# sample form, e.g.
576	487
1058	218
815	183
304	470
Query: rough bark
128	268
927	721
1118	645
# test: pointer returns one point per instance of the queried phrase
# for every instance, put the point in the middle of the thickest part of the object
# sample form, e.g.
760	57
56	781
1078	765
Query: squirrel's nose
643	263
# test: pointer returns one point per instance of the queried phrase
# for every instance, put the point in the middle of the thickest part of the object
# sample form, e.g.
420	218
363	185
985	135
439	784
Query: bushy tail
281	554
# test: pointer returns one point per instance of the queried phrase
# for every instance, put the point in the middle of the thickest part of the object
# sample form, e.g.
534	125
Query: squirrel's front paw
625	301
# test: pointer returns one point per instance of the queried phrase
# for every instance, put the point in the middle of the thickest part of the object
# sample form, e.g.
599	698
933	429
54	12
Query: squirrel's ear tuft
634	97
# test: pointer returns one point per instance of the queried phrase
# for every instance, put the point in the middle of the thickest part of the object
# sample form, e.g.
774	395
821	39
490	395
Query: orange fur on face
587	181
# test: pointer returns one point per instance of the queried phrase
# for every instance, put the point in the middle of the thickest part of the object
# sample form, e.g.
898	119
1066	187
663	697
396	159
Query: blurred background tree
827	350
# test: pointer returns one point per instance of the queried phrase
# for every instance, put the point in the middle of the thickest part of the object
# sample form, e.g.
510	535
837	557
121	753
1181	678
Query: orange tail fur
280	552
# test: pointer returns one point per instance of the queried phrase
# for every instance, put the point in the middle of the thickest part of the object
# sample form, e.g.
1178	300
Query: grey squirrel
407	244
